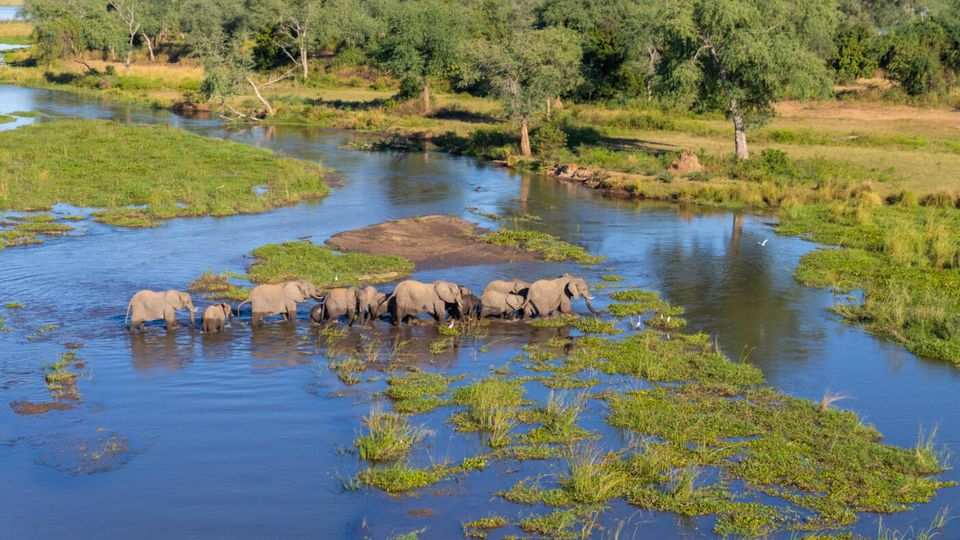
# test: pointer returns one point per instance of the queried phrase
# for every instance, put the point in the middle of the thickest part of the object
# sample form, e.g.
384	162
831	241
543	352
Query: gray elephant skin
411	298
373	304
214	318
547	297
147	305
515	286
336	303
274	298
499	304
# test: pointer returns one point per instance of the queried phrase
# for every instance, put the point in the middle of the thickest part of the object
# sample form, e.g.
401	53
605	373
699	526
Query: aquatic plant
389	436
550	247
417	392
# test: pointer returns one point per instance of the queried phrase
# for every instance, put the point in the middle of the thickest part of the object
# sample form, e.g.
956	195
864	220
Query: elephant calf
373	304
470	305
147	305
339	302
214	318
498	304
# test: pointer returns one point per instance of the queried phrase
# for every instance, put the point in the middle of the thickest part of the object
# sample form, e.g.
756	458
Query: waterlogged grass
29	229
639	302
548	246
478	528
324	267
400	477
824	461
587	325
60	379
905	259
417	392
490	407
166	171
220	286
389	436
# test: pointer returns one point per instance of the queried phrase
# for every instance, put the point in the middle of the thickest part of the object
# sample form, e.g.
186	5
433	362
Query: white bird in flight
763	243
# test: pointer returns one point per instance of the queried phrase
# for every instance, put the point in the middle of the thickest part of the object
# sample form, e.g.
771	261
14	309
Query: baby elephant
215	317
470	307
498	304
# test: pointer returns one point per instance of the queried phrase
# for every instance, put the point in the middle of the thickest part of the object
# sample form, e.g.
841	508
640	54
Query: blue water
243	434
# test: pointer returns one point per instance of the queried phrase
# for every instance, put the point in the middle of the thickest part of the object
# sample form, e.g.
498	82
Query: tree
528	68
743	56
419	40
293	25
70	28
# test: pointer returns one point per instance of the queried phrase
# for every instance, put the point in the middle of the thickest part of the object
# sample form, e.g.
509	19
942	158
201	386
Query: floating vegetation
550	247
559	524
478	528
14	305
39	333
61	381
490	408
442	345
587	325
666	323
639	302
611	278
417	392
348	368
389	436
558	421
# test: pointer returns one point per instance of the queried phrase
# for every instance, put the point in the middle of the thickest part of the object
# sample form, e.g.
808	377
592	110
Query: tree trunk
303	62
525	138
739	132
149	43
266	104
549	103
426	98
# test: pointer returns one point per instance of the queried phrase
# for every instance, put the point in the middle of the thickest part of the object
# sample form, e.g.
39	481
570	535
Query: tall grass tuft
389	435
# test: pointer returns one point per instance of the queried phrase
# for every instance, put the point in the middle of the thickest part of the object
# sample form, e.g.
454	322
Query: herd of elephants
410	298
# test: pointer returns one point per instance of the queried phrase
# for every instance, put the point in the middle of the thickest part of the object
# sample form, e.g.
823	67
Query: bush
549	136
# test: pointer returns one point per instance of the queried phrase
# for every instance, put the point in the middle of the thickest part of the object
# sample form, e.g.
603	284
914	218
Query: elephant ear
446	292
515	301
227	310
572	289
294	291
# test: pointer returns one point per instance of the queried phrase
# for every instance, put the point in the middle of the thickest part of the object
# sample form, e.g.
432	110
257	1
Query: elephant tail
127	317
241	305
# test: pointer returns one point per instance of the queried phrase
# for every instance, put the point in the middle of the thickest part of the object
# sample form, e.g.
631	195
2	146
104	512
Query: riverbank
853	157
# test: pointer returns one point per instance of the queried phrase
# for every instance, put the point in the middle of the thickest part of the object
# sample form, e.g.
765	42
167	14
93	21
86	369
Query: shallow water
242	434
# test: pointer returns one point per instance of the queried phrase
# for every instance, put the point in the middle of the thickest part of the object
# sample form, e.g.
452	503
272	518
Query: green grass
324	267
558	422
417	392
478	528
548	246
219	286
490	408
587	325
905	259
389	436
92	163
14	305
399	477
61	381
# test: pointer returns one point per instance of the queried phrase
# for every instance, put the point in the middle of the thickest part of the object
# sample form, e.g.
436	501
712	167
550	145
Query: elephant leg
170	318
291	312
255	318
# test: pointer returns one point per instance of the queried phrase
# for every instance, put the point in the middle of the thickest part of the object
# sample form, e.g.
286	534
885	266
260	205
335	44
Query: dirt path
430	242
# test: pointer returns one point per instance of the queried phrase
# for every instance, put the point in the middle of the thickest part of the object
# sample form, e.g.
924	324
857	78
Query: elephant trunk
586	298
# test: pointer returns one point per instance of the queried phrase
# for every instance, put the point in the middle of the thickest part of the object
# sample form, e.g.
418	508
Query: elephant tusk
588	297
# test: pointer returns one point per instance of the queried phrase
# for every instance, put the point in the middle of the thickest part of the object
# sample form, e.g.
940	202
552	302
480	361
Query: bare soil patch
430	242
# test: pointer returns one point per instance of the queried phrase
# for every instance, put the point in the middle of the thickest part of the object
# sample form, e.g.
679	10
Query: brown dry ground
431	242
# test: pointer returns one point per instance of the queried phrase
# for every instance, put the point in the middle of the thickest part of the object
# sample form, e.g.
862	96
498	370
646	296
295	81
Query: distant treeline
738	56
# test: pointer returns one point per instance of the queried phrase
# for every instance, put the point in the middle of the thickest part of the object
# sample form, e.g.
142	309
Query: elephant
214	318
545	297
149	305
270	299
411	298
498	304
336	303
372	303
515	286
471	307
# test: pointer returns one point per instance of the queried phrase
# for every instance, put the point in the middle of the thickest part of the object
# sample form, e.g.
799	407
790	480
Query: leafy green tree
528	69
743	56
294	28
852	58
70	28
419	40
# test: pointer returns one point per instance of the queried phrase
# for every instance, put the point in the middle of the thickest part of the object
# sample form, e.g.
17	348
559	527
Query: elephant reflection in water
161	351
277	345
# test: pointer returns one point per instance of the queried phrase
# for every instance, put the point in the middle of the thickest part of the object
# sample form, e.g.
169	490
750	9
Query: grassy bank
903	256
141	175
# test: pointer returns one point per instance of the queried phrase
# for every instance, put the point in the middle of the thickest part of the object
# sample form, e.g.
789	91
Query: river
243	436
